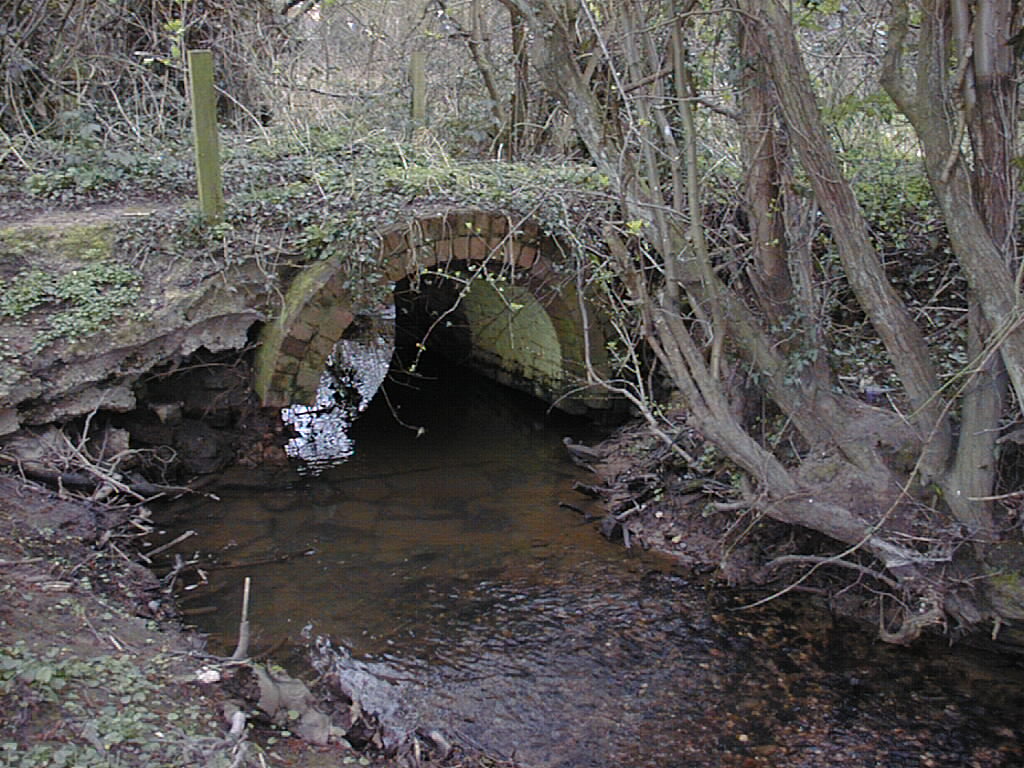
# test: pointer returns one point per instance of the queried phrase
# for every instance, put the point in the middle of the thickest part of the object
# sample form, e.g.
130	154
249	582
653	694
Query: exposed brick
303	396
478	248
414	234
443	250
461	224
316	305
335	321
499	226
319	349
432	229
394	242
282	383
275	399
318	311
425	257
307	379
529	231
288	365
301	331
482	224
540	269
293	347
332	289
502	248
527	256
397	266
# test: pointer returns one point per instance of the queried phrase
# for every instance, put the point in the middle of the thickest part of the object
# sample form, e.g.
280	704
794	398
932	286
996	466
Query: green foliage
876	107
83	301
813	11
87	172
104	706
331	196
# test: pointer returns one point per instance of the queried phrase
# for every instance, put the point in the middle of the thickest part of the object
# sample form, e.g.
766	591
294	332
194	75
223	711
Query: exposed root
926	612
817	561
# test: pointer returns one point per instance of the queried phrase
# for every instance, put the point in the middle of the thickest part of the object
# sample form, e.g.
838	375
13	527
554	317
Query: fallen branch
142	490
23	561
262	561
929	613
164	547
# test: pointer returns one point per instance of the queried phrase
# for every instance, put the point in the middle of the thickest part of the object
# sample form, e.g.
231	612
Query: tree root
80	481
929	612
817	561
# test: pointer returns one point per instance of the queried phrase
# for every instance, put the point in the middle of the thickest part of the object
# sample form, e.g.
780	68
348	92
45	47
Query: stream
437	574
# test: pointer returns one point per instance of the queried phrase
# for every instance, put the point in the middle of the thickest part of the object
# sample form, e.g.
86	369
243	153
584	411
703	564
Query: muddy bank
91	670
677	501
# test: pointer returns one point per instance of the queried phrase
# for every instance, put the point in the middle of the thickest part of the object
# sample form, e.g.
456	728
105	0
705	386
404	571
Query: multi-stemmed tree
907	487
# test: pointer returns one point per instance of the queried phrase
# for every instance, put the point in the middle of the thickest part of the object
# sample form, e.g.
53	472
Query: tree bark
939	117
889	316
520	110
974	93
839	483
762	189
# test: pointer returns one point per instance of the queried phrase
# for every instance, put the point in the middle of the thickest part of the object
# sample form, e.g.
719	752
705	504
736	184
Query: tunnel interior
459	321
430	326
478	320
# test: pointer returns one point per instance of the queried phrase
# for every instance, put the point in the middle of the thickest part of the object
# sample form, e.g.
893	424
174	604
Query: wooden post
204	135
418	76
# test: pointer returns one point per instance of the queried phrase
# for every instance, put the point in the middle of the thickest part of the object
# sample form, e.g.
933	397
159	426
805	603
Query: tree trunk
902	338
839	482
762	190
520	110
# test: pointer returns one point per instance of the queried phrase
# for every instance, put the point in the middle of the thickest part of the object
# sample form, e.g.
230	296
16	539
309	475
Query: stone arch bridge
521	319
527	325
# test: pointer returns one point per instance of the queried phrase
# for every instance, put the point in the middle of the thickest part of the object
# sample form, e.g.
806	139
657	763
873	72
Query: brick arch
317	308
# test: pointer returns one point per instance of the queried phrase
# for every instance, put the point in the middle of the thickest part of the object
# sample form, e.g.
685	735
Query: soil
658	501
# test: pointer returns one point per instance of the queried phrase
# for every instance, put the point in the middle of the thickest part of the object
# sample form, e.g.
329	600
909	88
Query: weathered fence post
418	77
204	135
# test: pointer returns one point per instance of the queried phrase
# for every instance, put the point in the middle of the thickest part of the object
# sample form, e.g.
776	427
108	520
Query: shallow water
455	593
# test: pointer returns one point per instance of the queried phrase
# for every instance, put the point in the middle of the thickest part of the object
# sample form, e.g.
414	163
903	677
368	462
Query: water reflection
412	521
354	372
450	591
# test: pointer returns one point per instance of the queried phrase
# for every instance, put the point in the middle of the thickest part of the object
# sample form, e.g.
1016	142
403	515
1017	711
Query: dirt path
85	215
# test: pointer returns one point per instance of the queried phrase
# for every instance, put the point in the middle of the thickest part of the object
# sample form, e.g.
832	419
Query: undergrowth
101	713
81	302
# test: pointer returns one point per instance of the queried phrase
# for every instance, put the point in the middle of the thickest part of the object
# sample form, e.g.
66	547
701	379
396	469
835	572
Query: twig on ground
816	560
164	547
242	649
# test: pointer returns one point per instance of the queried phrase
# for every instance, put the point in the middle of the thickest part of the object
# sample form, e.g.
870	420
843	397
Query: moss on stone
511	330
63	242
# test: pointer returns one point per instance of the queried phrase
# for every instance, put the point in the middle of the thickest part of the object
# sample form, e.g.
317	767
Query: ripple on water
450	591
